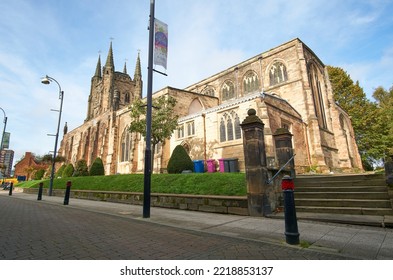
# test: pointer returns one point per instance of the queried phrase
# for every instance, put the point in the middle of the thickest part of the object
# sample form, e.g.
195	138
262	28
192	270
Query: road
36	230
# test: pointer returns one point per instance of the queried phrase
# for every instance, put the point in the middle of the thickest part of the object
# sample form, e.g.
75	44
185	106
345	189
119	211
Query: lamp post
5	124
2	140
46	80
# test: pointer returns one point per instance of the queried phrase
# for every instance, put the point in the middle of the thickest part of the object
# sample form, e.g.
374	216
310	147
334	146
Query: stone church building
288	86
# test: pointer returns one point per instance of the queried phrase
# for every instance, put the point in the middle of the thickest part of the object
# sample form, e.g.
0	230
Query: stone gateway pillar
255	165
284	152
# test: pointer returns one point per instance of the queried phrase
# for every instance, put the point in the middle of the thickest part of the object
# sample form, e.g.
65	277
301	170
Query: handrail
278	172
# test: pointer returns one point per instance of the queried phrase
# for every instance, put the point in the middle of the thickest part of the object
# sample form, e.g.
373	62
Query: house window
278	73
250	82
227	91
230	127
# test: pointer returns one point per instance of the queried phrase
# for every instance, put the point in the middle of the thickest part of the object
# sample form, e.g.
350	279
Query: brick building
27	166
288	86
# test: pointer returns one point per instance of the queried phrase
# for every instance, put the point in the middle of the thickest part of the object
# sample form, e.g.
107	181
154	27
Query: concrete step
375	203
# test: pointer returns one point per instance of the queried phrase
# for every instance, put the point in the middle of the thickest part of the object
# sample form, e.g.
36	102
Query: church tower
111	90
95	96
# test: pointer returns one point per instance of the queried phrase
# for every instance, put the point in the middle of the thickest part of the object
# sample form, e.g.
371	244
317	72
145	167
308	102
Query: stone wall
236	205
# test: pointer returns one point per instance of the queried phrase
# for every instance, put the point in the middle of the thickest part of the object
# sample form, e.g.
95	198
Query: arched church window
127	97
278	73
126	146
342	122
227	91
180	131
223	136
238	131
230	127
190	128
209	91
250	82
317	95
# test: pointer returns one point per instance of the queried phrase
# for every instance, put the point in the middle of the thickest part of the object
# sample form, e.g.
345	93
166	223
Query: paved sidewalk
359	242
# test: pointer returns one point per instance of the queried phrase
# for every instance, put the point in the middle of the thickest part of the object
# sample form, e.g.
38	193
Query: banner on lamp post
160	43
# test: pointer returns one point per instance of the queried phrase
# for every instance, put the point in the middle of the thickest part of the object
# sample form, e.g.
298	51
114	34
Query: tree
47	159
164	120
97	168
39	174
365	116
81	169
179	161
384	101
30	170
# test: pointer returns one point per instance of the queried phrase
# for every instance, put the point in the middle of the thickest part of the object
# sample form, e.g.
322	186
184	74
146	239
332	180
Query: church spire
138	73
98	68
109	60
125	68
138	78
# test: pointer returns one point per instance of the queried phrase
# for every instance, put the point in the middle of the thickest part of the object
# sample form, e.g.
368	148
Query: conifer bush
97	168
68	171
179	161
81	168
59	172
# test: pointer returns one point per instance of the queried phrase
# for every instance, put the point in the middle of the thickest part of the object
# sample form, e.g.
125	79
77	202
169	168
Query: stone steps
343	194
346	210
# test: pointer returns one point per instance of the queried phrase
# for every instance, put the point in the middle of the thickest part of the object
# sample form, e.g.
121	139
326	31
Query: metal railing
279	171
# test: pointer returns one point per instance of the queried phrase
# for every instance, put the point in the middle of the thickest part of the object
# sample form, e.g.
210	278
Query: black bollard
11	187
291	230
67	193
40	191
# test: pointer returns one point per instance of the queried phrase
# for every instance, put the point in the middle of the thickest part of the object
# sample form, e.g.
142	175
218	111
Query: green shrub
179	161
59	172
81	169
97	168
39	174
68	171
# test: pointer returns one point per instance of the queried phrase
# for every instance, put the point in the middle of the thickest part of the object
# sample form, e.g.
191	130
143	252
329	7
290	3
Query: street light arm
46	80
5	125
3	112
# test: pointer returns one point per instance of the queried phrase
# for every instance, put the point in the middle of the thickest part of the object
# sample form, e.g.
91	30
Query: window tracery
278	73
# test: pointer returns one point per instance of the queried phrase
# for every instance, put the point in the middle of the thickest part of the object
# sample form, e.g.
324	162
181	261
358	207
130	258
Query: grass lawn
232	184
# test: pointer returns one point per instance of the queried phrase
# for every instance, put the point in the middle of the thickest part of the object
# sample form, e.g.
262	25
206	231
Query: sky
64	38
